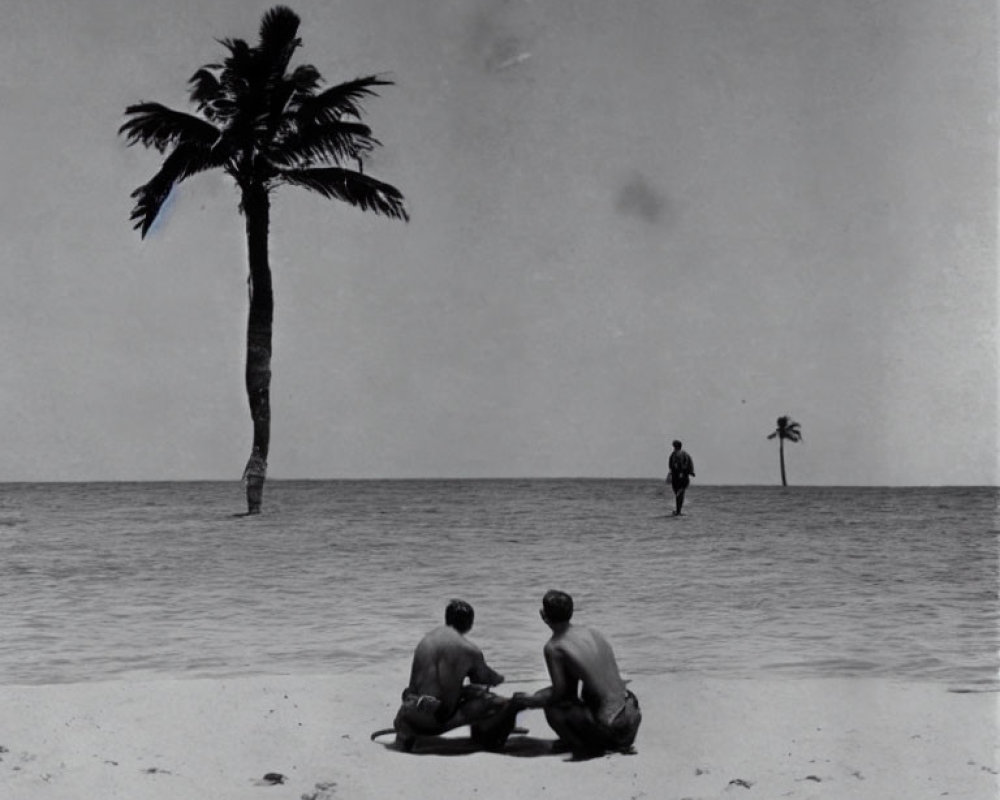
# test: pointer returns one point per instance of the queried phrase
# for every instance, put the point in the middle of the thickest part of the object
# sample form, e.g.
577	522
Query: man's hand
536	700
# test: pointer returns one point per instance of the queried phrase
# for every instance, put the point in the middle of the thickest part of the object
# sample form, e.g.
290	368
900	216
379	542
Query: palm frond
279	24
155	125
306	79
206	90
186	160
238	49
361	191
334	142
341	100
210	95
238	68
287	95
278	101
149	199
278	40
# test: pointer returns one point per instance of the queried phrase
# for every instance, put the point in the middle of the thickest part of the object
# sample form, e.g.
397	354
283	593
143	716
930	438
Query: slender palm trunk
256	209
781	453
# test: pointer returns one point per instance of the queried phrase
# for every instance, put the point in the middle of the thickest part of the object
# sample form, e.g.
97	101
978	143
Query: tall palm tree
264	126
787	429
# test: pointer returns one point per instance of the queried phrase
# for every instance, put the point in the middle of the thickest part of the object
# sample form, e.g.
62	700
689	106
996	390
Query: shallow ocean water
102	581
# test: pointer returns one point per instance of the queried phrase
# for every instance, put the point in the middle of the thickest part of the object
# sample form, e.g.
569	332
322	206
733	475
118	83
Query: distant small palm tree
264	127
787	429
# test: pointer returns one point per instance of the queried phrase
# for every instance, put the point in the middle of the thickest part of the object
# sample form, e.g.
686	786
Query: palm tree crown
264	126
787	429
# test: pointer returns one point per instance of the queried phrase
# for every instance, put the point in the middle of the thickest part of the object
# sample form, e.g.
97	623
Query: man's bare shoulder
596	635
581	633
441	632
446	638
578	641
558	645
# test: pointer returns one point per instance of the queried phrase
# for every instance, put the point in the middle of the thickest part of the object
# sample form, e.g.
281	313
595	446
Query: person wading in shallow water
679	477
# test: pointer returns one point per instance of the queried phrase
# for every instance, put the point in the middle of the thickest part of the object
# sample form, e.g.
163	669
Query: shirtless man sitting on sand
605	715
438	699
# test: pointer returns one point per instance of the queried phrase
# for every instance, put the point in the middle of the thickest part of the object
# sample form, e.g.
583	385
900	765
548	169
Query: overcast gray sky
631	221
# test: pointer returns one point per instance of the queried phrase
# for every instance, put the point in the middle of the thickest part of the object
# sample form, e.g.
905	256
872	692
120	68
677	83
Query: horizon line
62	482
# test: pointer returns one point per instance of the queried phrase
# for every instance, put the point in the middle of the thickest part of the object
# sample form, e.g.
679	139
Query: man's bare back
442	661
583	655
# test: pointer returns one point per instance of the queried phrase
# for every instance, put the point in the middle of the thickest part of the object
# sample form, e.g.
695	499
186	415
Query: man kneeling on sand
605	715
438	699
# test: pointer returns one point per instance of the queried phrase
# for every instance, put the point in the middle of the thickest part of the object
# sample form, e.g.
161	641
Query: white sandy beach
846	739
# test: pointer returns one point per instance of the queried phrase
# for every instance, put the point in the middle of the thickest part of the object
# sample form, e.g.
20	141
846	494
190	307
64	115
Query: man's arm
480	672
563	686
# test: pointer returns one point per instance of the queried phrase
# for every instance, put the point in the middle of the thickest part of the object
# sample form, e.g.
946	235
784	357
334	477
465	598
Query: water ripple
107	580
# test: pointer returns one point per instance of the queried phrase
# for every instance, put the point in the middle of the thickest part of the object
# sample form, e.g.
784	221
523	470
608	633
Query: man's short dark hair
459	615
677	442
558	606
